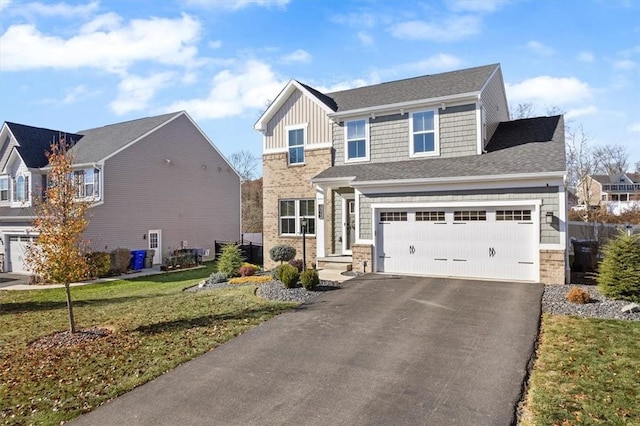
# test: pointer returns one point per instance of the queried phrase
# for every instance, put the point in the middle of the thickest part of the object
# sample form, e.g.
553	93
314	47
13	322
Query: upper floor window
21	189
87	183
424	135
296	145
4	188
356	140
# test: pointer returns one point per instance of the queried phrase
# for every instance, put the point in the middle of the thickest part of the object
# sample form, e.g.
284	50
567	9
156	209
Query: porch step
341	263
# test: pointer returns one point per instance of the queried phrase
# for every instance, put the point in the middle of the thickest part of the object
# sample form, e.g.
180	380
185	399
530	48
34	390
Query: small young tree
619	271
58	252
230	260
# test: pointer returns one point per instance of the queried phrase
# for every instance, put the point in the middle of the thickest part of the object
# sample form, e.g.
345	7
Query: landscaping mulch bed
67	338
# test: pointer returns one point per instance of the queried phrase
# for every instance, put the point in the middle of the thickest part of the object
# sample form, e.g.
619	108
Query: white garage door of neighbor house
17	253
490	243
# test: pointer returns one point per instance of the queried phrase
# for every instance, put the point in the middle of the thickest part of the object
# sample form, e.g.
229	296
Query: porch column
321	213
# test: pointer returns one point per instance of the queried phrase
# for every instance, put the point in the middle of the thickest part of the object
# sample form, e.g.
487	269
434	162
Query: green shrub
99	263
619	271
282	253
120	259
310	279
230	260
289	275
217	277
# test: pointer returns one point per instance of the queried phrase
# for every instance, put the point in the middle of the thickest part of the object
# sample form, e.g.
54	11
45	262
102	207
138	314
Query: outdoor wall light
167	161
549	217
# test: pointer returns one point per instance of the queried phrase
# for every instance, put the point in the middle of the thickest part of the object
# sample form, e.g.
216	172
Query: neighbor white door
155	243
17	253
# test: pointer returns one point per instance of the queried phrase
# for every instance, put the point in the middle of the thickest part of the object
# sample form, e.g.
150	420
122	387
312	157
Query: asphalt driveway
381	350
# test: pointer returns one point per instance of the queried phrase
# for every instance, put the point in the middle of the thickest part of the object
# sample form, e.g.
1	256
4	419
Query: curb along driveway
381	350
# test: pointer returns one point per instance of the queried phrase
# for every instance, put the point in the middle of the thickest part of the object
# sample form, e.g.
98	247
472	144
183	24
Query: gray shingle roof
100	142
35	142
411	89
533	145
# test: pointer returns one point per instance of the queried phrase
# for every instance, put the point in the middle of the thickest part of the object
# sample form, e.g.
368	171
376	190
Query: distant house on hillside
615	193
154	183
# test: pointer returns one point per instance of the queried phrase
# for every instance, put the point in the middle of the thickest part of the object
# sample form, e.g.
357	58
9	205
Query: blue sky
77	65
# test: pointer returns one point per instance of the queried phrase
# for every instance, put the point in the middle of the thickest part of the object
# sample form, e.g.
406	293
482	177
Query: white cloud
360	19
4	4
300	56
579	112
62	9
624	64
586	57
236	4
234	92
365	38
439	62
135	92
103	43
476	5
634	127
546	90
215	44
451	29
539	48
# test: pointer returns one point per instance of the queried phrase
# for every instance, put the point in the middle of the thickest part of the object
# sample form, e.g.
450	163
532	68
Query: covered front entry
476	242
18	253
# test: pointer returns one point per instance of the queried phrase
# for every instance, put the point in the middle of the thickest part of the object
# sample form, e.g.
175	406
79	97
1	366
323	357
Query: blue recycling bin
137	259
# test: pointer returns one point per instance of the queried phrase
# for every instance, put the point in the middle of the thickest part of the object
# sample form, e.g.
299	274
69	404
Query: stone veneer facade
282	181
552	267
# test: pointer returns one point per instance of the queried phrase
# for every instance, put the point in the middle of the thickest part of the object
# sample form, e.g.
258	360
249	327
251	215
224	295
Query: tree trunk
72	322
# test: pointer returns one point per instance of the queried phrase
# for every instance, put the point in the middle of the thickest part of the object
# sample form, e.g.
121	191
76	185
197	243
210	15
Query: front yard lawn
587	371
154	326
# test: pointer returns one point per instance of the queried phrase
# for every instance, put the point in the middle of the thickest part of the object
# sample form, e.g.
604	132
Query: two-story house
154	183
616	193
420	176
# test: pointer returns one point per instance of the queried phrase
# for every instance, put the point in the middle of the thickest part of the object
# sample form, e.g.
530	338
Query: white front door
349	223
155	243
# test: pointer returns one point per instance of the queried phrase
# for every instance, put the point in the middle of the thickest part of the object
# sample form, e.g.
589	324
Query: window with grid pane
429	216
393	216
507	215
356	139
423	133
291	213
296	146
469	215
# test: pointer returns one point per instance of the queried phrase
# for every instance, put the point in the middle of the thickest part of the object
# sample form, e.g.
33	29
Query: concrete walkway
381	350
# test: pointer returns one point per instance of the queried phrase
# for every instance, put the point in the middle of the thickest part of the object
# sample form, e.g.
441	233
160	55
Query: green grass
587	372
156	326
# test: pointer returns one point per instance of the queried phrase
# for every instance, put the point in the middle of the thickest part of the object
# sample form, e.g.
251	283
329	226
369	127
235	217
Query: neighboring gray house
419	176
154	183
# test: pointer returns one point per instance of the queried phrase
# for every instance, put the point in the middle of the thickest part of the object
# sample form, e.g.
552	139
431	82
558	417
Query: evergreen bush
310	279
230	260
282	253
619	271
99	264
289	275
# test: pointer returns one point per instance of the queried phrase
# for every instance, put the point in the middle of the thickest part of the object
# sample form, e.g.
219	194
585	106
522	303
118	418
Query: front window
296	146
87	183
21	189
356	140
291	213
424	138
4	188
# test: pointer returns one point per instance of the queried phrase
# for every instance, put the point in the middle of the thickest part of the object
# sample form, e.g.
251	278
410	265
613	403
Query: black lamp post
303	224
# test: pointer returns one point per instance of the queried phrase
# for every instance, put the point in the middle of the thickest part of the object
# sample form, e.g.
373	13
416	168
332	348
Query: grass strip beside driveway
155	327
587	371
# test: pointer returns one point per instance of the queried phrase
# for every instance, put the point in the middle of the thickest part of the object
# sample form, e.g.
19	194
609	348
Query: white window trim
298	217
366	143
8	180
304	127
13	190
436	134
96	183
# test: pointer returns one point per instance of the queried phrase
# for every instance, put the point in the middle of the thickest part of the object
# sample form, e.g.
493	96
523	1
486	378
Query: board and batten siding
195	196
494	105
389	135
298	109
549	196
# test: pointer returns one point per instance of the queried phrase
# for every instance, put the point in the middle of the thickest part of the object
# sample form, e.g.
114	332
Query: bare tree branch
245	163
611	159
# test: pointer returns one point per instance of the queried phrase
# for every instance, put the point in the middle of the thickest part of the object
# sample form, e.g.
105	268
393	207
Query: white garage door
17	253
492	243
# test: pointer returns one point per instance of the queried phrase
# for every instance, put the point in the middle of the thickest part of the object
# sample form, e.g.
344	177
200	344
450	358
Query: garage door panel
480	246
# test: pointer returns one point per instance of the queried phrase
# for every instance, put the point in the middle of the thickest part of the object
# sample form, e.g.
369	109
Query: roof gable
35	142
